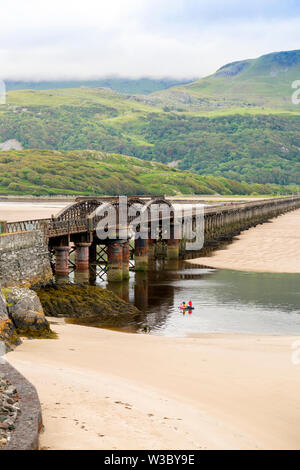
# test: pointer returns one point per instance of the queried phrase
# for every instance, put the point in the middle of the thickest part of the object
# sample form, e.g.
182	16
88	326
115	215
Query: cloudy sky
178	38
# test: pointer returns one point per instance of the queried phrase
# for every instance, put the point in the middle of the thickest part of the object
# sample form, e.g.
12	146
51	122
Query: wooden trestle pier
73	231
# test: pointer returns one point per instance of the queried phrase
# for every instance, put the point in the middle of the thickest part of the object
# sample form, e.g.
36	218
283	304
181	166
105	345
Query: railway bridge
74	242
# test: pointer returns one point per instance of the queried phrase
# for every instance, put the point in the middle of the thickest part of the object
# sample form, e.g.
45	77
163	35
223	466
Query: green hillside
264	83
245	147
242	139
44	172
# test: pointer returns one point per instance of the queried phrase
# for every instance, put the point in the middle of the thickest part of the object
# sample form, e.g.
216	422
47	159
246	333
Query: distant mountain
239	123
265	82
122	85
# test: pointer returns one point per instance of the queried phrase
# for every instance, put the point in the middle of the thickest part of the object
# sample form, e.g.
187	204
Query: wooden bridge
74	229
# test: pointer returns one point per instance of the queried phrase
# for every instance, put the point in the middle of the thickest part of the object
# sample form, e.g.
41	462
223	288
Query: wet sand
108	390
270	247
15	211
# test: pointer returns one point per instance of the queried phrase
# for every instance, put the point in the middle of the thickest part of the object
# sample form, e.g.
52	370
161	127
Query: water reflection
141	291
224	301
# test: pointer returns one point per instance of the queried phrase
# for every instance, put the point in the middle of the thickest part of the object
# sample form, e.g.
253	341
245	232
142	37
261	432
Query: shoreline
112	390
182	199
20	208
272	247
102	389
37	199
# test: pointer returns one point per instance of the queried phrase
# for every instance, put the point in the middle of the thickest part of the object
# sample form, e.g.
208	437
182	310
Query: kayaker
190	304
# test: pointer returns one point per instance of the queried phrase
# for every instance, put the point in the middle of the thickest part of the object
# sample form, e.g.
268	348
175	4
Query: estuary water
224	301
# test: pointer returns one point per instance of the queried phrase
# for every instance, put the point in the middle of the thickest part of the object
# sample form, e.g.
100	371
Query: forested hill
44	172
240	142
263	148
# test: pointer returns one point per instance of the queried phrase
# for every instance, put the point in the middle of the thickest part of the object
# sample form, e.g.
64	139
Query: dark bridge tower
82	256
141	254
62	260
115	262
82	271
173	243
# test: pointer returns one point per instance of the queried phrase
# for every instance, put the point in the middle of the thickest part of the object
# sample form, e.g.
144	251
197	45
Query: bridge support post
115	262
82	257
93	253
93	264
173	249
141	254
81	277
62	260
151	248
92	275
173	244
125	248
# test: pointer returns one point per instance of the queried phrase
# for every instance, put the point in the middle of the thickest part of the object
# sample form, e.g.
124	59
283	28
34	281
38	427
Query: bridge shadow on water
224	300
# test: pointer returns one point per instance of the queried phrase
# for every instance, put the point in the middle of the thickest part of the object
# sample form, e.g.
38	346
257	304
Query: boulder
7	330
26	312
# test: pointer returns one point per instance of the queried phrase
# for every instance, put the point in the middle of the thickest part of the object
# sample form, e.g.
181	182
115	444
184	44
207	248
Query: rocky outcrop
11	144
26	312
7	330
89	305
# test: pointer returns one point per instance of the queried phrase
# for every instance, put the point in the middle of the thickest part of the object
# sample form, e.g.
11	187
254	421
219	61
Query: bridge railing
26	225
51	227
253	204
55	228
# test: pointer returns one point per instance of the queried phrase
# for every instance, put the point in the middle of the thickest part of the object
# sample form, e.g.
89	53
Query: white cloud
75	39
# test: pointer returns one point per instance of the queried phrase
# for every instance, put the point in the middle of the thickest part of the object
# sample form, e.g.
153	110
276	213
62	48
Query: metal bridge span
74	230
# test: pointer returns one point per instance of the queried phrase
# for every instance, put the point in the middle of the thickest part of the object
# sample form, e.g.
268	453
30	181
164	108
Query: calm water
224	301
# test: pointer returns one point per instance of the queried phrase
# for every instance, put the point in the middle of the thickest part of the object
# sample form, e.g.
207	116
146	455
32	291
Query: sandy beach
14	211
270	247
102	389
